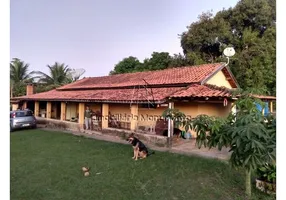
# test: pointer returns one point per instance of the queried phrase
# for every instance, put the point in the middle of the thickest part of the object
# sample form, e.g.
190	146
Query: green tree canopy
250	27
157	61
126	65
59	74
19	71
179	60
19	77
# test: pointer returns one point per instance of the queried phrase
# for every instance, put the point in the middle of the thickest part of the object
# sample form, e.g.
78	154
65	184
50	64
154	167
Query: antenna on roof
138	91
76	73
228	52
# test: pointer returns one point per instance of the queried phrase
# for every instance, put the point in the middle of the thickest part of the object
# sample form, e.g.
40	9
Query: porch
141	118
105	115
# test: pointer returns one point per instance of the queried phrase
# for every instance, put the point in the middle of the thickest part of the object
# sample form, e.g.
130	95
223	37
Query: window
24	113
20	114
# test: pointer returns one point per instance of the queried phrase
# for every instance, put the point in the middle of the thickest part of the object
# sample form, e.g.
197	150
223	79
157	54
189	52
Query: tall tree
126	65
158	60
250	27
179	60
59	74
19	76
204	37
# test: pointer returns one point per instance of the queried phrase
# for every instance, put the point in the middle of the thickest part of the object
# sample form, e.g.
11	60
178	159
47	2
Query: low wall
71	126
57	124
157	140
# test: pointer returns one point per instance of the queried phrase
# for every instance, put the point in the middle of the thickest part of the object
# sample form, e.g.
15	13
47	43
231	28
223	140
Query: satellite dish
229	51
76	73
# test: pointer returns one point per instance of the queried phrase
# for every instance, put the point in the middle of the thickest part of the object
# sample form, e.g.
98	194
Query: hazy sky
96	34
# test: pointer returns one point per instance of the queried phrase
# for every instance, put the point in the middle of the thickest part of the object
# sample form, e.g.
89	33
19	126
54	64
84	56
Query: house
136	101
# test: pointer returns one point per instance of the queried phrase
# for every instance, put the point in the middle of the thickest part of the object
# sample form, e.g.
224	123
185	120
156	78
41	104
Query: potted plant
266	180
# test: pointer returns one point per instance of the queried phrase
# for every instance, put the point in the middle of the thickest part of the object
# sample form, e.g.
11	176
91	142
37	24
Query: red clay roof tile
180	75
197	90
119	88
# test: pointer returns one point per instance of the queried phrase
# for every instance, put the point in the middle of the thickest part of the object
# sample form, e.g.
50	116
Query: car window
24	114
20	114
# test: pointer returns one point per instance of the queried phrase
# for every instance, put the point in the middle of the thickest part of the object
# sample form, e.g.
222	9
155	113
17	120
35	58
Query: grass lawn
47	165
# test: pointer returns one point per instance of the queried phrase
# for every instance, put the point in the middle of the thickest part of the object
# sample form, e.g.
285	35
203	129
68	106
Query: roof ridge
128	87
132	78
169	68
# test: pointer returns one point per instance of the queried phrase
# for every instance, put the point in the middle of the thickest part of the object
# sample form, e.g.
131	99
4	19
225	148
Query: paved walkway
189	147
180	146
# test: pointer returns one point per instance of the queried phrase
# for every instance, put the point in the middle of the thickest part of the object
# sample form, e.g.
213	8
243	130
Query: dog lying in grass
139	148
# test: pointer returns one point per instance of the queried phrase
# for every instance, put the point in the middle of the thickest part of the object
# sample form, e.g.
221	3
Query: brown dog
139	149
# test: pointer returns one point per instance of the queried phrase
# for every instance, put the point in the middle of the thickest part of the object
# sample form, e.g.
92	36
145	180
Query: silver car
22	119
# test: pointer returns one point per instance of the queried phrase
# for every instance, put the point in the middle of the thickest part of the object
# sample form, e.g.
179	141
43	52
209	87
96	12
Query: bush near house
250	135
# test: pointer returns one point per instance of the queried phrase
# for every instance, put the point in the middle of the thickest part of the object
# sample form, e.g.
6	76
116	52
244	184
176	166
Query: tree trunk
248	183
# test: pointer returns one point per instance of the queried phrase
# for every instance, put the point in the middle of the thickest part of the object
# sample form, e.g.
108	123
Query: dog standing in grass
139	149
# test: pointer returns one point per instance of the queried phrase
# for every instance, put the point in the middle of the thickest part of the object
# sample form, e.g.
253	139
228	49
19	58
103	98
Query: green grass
47	165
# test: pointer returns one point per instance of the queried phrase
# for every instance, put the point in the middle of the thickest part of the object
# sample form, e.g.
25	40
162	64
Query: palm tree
19	74
59	74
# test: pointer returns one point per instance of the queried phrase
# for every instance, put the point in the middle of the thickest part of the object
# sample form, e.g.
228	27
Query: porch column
15	106
49	110
271	106
37	108
63	111
134	117
105	113
170	126
25	105
81	114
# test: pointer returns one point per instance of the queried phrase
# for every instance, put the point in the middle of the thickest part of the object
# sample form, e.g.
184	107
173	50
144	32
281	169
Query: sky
97	34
